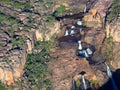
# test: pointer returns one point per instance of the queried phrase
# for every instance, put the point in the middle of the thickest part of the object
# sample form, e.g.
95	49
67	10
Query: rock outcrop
67	66
12	60
20	27
96	15
113	30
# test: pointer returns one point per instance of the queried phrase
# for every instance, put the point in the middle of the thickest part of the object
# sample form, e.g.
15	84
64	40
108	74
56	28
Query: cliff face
24	22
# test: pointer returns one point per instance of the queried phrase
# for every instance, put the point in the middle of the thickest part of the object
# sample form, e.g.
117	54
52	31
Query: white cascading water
79	23
86	54
66	33
89	51
84	82
79	45
72	32
85	9
109	73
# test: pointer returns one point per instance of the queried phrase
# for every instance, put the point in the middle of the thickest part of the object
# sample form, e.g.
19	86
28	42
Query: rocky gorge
22	26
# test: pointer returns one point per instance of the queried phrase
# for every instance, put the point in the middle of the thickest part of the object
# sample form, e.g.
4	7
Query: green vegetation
93	81
78	83
1	44
8	20
15	4
2	87
60	10
114	10
36	68
108	53
83	23
19	41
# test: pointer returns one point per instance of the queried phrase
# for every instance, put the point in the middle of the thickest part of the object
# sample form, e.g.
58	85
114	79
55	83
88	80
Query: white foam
79	45
66	33
79	22
72	32
89	51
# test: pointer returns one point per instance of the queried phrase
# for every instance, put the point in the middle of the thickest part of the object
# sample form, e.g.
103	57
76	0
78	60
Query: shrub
2	87
108	53
114	10
36	67
78	83
60	10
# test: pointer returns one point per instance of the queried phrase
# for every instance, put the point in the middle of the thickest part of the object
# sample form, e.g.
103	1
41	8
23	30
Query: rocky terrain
29	28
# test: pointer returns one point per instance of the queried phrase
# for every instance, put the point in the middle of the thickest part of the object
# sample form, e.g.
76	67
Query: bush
36	67
114	10
108	53
60	10
2	87
78	83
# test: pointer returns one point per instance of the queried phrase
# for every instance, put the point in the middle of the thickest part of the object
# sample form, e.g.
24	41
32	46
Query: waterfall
79	23
86	55
73	85
66	33
79	45
84	82
72	32
85	9
89	51
109	73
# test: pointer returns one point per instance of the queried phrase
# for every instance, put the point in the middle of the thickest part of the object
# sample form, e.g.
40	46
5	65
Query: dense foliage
36	72
59	10
114	10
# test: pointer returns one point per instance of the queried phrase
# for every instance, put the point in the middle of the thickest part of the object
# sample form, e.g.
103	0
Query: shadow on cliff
108	85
